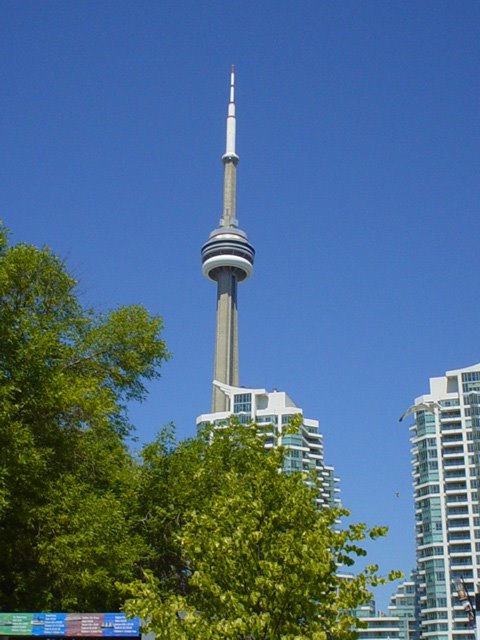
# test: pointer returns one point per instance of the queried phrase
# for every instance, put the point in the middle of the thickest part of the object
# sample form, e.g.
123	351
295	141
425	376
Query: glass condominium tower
446	467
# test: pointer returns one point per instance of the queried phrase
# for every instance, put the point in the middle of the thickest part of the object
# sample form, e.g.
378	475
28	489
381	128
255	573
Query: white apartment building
445	447
400	622
272	411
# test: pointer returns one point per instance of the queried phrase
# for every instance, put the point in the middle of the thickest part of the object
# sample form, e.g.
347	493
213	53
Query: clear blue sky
358	132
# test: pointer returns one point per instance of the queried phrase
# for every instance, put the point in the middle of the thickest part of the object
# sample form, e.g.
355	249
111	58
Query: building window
242	403
471	377
266	420
468	387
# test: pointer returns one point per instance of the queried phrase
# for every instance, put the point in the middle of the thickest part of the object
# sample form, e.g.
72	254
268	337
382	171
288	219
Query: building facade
446	467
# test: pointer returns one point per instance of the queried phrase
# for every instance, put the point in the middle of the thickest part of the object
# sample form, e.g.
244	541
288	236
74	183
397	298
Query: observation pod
227	247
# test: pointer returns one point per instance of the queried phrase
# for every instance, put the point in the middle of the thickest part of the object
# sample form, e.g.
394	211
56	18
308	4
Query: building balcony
451	427
460	536
450	418
459	499
462	558
459	487
453	446
455	462
426	610
451	515
459	550
461	567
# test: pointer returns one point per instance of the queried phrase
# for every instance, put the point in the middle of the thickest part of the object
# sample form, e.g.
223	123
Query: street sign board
73	625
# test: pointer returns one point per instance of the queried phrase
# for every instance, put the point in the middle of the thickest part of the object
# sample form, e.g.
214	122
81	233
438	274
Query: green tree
67	480
240	550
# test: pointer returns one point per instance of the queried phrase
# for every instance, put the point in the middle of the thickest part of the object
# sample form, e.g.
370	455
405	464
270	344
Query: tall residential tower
227	259
446	472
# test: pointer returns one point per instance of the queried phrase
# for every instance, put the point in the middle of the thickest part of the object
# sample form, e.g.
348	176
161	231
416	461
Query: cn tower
227	259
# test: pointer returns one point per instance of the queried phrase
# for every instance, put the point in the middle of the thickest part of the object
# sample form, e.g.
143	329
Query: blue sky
358	133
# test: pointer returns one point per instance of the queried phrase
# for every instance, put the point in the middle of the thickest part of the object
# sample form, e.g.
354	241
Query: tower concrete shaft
227	259
226	340
229	193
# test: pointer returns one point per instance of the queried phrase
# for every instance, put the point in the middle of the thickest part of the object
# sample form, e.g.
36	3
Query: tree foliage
66	476
240	550
229	546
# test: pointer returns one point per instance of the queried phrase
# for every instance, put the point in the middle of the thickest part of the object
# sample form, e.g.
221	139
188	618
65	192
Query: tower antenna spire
230	160
230	153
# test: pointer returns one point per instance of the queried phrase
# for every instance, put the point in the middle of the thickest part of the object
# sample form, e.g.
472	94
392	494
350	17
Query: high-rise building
272	412
404	606
227	259
446	469
400	622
